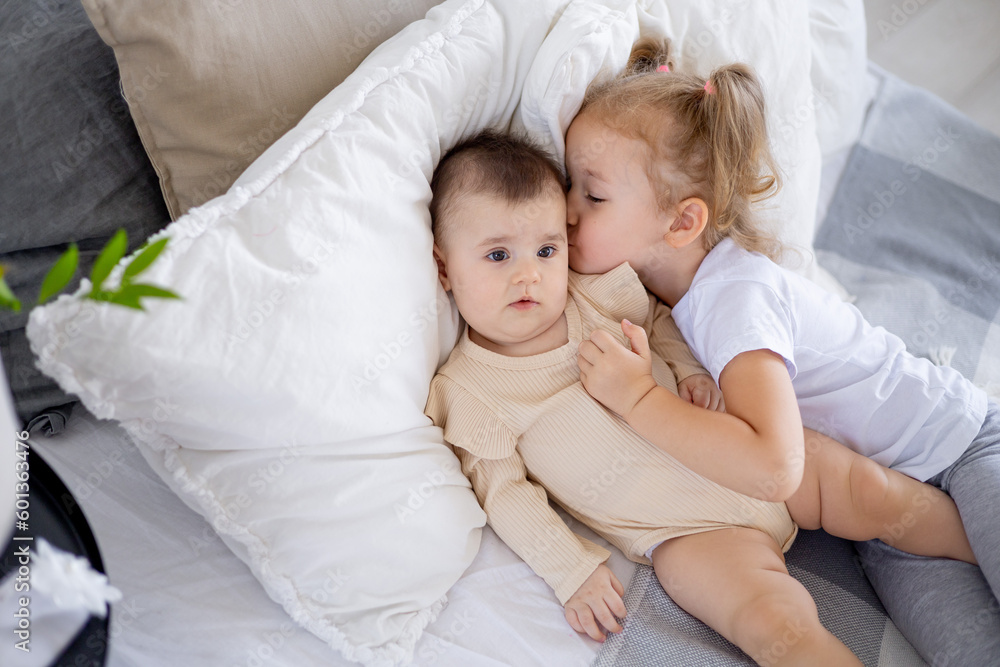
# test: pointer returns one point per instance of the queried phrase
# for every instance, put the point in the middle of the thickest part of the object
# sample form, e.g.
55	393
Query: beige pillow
211	84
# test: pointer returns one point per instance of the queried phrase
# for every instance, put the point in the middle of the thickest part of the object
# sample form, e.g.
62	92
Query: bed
892	156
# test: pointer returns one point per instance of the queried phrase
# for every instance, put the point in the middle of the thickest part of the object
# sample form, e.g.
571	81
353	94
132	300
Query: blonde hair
712	132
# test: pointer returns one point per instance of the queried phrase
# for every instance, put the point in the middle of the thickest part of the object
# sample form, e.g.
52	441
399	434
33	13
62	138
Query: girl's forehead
596	149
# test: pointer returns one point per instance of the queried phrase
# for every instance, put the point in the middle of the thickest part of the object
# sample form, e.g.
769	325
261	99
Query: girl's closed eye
596	200
497	255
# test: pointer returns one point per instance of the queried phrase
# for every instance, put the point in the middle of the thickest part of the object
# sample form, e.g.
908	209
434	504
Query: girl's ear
442	268
692	216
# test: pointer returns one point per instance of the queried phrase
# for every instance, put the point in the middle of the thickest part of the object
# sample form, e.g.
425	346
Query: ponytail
712	133
649	55
740	166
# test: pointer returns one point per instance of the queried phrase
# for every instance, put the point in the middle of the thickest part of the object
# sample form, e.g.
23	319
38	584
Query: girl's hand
700	389
594	606
615	376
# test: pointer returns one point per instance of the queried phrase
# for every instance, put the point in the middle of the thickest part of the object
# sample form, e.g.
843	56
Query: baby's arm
754	448
519	512
694	384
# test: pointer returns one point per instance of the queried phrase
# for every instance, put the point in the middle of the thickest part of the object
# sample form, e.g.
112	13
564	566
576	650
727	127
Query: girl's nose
572	217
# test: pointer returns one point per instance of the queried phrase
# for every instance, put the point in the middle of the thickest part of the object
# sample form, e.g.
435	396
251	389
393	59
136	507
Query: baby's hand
701	390
596	604
615	376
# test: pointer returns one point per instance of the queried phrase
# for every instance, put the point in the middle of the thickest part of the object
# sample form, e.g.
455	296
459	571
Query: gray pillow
73	169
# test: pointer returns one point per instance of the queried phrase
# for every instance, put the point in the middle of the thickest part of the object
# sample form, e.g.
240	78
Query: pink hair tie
663	68
709	88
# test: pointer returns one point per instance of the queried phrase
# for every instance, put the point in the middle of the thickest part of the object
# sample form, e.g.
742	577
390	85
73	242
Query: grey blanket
913	232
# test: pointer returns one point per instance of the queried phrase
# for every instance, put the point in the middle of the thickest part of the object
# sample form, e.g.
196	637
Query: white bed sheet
187	600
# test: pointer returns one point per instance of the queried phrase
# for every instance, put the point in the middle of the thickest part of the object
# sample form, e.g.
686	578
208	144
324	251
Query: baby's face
507	267
612	210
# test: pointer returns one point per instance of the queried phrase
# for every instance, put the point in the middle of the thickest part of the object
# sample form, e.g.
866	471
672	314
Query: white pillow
839	71
283	397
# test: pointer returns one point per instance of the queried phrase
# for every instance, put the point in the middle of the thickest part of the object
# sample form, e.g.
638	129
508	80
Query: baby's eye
594	199
498	255
546	252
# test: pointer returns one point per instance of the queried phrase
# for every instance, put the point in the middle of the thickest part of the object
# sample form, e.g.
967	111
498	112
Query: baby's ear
692	216
442	268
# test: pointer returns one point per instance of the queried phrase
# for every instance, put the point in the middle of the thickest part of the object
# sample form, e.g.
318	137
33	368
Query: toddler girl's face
611	208
507	267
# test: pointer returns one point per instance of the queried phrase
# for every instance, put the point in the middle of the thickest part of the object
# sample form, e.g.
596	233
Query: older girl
665	170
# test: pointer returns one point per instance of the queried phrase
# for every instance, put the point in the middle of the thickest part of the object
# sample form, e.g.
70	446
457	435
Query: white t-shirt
854	382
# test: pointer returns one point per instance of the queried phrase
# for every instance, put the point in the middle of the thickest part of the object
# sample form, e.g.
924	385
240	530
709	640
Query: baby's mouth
524	303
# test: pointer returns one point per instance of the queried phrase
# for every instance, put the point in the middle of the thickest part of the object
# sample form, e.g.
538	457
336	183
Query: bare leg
851	496
735	580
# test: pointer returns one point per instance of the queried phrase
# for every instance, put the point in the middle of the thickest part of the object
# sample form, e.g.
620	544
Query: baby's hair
509	167
713	132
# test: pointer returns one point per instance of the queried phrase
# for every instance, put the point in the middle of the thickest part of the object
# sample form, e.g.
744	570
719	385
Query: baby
510	401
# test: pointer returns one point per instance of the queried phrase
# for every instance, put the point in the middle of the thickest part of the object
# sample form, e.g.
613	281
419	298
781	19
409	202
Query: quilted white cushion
283	397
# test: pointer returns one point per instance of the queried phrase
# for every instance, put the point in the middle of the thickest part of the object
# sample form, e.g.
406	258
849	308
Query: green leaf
7	298
113	251
60	274
98	295
138	290
126	300
144	259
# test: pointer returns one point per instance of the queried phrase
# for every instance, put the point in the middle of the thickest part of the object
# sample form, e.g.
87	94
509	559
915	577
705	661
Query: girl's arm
694	383
755	448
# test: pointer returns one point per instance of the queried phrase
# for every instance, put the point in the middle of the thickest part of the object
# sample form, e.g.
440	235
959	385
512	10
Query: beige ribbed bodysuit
526	430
